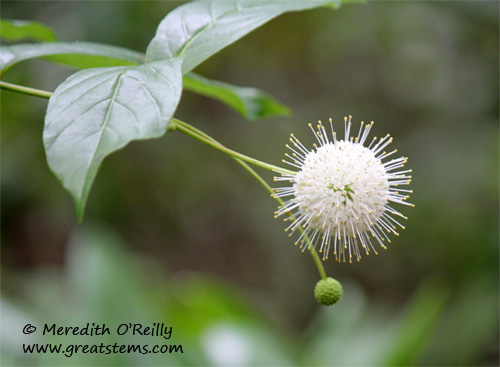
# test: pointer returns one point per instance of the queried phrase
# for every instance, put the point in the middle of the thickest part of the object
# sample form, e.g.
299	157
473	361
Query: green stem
204	139
250	170
25	90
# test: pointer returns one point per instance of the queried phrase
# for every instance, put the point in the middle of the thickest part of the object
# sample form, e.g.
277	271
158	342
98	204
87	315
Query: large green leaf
199	29
15	30
251	103
77	54
98	111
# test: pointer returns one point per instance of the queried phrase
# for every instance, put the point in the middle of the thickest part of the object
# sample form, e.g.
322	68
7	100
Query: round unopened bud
328	291
171	127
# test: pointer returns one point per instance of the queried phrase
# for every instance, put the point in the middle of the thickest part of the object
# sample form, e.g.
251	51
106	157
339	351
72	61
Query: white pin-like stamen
341	192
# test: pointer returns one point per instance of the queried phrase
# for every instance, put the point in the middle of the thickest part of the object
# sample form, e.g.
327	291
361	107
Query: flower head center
341	183
345	191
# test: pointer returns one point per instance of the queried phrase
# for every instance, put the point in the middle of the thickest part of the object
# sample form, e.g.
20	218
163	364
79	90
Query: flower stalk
250	170
204	139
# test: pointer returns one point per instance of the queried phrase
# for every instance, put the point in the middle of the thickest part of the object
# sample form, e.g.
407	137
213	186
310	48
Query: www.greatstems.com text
102	348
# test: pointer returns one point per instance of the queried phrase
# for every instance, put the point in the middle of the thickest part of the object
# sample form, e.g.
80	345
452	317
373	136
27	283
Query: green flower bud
171	126
328	291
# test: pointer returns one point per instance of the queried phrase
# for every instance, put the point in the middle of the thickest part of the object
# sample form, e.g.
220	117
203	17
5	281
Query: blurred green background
176	232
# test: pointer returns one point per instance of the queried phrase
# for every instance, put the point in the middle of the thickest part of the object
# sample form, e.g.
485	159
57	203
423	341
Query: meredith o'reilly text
137	329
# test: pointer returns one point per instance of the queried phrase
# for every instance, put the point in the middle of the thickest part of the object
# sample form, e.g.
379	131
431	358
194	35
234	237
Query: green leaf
251	103
77	54
98	111
199	29
15	30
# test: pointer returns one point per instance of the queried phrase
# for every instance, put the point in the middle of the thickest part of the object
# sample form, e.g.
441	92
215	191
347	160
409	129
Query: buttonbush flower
342	191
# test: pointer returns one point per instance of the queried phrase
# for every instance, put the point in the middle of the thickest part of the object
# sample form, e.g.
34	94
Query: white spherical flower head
342	191
337	183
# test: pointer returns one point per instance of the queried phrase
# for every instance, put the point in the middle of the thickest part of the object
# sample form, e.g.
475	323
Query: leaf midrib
206	27
106	119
